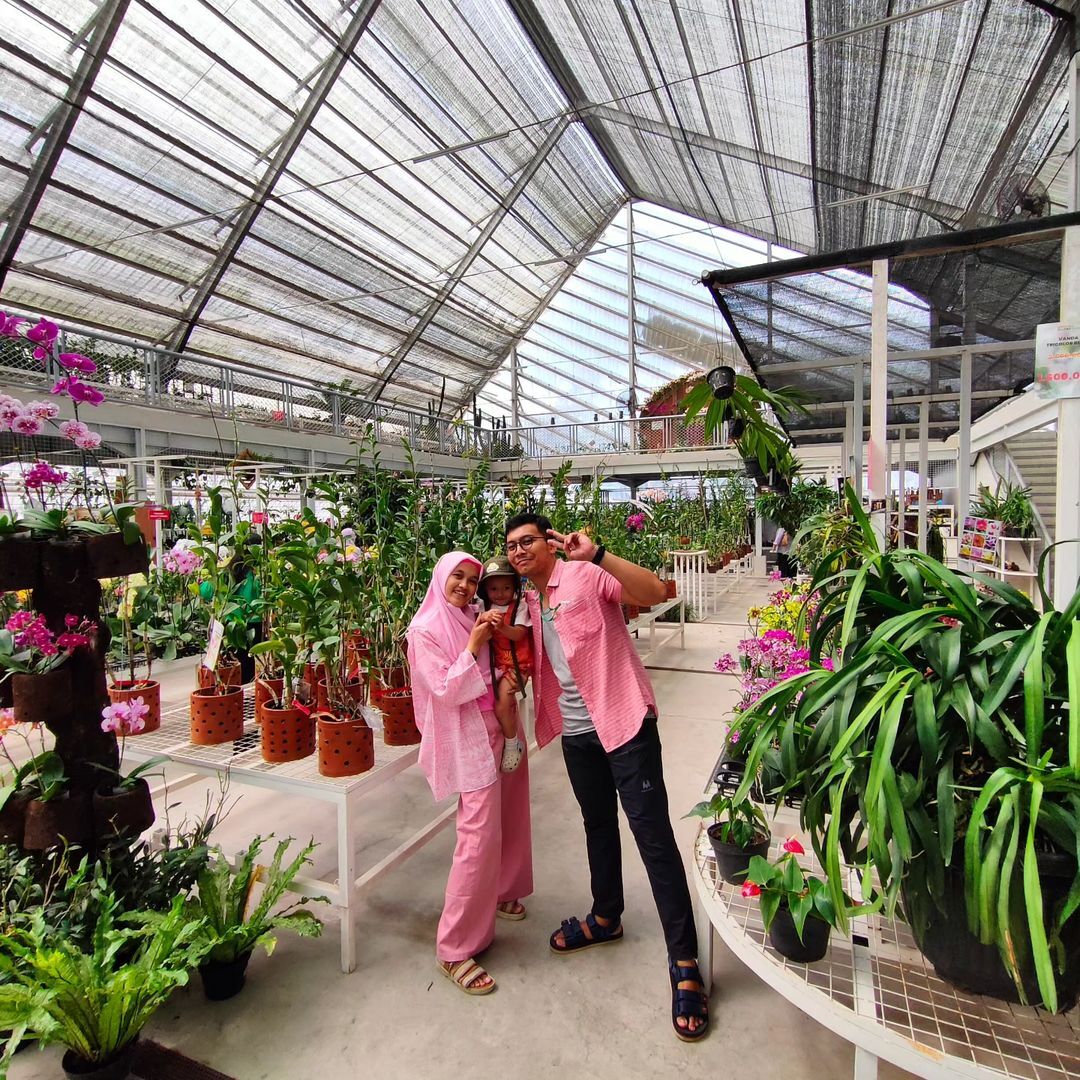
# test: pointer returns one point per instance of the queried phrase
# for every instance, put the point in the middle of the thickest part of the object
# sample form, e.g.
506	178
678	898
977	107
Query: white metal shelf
877	991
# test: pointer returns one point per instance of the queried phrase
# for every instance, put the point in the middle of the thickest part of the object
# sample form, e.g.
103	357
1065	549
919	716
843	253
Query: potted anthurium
941	758
230	928
796	908
738	833
94	1001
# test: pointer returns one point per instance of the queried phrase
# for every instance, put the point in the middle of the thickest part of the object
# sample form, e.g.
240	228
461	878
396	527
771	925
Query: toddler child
511	650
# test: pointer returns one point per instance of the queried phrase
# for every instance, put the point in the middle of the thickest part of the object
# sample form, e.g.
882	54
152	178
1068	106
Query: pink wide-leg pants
492	857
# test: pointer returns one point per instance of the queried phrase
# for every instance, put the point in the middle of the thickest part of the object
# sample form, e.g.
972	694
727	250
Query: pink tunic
455	755
599	650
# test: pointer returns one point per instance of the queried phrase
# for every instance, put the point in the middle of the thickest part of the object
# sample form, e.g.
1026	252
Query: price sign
159	513
258	517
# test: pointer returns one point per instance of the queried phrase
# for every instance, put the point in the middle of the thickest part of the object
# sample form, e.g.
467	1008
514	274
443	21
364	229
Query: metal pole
924	468
963	453
857	429
1067	525
878	463
631	325
515	405
901	488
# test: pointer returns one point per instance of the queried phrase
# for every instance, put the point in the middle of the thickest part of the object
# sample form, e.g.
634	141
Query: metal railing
144	374
147	375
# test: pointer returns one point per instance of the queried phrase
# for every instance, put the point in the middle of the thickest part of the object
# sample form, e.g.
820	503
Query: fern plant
93	1001
227	929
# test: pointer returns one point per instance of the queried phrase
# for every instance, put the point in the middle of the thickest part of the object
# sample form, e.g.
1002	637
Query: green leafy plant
741	822
226	928
94	1001
948	736
791	511
784	884
1008	503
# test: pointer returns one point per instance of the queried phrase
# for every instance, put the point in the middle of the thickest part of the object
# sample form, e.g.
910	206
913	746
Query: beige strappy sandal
464	973
511	909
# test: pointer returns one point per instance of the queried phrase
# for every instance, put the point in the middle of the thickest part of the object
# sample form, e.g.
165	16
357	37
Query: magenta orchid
9	325
42	474
74	361
25	423
37	648
44	336
636	522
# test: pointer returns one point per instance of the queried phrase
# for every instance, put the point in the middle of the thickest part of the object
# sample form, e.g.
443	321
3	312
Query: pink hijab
447	624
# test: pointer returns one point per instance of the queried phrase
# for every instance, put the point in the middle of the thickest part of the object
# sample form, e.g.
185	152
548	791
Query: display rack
875	990
1022	552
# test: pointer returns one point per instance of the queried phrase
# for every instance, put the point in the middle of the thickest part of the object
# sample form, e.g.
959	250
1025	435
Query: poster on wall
1057	360
980	539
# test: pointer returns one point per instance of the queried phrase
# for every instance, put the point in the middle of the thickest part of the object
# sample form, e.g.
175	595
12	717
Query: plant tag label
213	644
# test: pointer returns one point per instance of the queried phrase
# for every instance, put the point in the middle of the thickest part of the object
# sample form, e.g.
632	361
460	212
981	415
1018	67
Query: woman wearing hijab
460	749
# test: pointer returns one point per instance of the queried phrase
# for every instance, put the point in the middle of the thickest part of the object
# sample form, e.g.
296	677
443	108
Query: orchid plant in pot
130	629
123	806
37	775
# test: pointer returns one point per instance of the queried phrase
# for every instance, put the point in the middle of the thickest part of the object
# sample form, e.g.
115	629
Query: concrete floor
600	1014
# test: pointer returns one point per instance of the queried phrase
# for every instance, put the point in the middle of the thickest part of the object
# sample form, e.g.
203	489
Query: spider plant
947	741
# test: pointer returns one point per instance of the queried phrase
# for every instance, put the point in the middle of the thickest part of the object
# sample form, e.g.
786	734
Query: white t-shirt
521	616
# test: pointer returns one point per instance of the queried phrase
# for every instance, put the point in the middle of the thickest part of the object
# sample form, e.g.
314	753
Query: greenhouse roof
391	192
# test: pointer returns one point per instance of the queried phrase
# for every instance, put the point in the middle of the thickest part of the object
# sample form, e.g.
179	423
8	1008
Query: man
590	686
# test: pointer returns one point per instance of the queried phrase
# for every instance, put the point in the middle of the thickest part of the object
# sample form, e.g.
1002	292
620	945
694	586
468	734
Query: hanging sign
258	517
979	540
1057	360
159	513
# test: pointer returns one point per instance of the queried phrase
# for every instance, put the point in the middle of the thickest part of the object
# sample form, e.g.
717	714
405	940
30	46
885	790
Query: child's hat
497	566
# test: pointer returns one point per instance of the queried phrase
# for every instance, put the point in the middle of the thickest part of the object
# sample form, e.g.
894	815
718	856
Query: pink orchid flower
74	361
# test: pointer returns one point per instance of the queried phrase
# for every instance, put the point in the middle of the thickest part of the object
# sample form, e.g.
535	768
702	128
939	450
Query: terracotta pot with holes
287	734
266	691
228	674
216	718
147	689
399	719
346	747
669	588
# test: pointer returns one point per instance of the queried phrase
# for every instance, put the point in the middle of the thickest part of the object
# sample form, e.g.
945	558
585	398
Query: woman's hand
480	636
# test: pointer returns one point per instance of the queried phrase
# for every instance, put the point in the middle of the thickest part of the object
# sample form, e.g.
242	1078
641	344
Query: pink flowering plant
58	502
784	883
124	719
29	647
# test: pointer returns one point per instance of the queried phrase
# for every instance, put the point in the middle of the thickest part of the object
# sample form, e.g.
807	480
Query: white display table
648	618
242	762
875	990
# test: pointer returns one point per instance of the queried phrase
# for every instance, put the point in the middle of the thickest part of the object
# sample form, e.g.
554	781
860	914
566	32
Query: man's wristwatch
598	555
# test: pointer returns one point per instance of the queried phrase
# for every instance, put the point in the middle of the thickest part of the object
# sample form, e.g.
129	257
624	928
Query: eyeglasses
524	544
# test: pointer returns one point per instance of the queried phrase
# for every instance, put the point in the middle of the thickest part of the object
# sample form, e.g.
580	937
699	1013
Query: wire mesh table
242	761
877	991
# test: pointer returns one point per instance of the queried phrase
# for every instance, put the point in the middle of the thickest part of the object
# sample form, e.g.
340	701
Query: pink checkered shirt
601	654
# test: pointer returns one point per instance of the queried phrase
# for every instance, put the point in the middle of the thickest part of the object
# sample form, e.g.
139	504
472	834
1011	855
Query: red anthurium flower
793	845
749	889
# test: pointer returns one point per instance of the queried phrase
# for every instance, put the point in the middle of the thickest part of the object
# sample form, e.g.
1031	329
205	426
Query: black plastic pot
19	562
222	981
108	556
960	958
733	861
64	819
118	1068
13	819
123	811
785	940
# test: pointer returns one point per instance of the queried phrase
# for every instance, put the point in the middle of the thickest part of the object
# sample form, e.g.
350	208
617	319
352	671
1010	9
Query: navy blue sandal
575	939
688	1003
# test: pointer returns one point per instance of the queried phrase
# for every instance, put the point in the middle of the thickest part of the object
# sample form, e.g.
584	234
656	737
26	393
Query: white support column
846	465
1067	527
857	449
963	452
515	406
878	464
901	494
631	335
924	467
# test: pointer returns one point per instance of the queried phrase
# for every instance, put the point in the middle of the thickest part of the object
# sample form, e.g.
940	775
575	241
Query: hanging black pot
722	381
785	940
779	483
117	1068
736	429
224	979
755	471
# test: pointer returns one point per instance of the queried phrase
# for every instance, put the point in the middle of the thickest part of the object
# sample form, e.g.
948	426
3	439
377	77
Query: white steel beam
878	463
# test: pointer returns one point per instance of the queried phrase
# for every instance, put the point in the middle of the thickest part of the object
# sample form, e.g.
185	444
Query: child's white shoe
513	752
